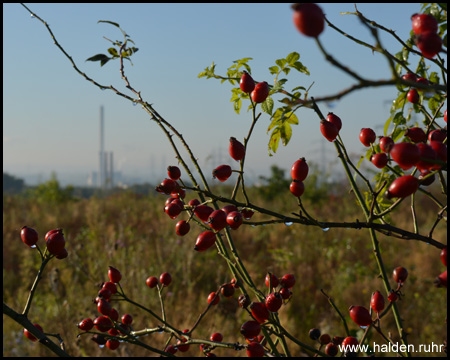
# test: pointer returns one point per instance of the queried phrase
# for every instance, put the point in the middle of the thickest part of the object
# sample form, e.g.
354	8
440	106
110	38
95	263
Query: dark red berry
413	96
349	344
386	144
218	220
182	227
377	302
222	172
227	290
127	319
174	172
441	280
329	130
422	23
104	307
427	157
151	282
236	149
165	279
86	324
444	256
360	315
103	323
400	274
56	242
29	236
260	93
285	293
437	135
308	18
380	160
247	84
205	240
250	329
259	311
403	186
234	219
272	279
331	349
110	286
367	136
255	349
247	213
441	152
416	134
173	209
114	275
167	186
50	233
325	339
112	344
429	44
273	302
203	212
229	208
392	297
406	155
297	188
336	120
213	299
299	170
29	335
410	77
244	301
287	281
216	337
314	334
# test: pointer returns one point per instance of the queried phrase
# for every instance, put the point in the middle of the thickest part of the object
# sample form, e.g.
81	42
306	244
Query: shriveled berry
244	301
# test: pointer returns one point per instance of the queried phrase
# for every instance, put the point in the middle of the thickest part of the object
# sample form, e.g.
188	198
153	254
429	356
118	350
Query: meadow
132	233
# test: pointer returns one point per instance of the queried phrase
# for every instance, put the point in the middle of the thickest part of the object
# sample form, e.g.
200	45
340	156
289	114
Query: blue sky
50	113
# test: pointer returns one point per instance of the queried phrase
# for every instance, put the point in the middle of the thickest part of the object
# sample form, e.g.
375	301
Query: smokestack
102	162
111	170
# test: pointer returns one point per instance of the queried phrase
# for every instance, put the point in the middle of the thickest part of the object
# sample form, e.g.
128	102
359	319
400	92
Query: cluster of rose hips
228	215
54	241
425	27
332	344
417	150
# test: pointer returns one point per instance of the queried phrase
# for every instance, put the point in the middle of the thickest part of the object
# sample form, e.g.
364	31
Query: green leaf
99	57
267	105
286	133
292	58
274	141
237	105
274	69
300	67
113	52
281	63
